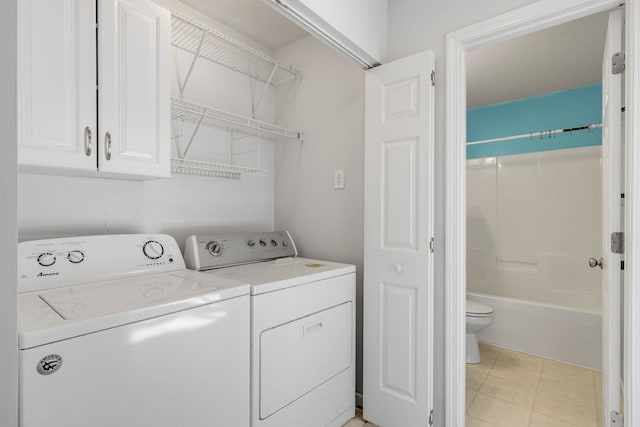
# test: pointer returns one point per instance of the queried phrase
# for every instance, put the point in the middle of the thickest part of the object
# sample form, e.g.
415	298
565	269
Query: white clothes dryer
302	326
114	331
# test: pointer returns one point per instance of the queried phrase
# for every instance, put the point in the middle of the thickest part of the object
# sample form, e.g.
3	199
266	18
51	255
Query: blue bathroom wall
558	110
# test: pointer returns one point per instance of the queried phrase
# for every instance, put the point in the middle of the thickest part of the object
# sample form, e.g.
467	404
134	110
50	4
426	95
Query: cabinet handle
87	141
107	146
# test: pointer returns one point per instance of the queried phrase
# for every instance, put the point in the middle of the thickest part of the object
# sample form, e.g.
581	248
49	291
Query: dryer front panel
299	356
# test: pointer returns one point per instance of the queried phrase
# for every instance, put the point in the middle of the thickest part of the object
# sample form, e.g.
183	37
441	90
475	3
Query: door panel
57	84
399	160
134	88
398	341
612	188
398	274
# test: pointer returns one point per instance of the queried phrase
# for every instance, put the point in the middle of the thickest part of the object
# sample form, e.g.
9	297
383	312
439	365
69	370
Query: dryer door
298	356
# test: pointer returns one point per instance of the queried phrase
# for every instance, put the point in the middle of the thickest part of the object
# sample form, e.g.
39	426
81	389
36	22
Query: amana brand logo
47	274
49	364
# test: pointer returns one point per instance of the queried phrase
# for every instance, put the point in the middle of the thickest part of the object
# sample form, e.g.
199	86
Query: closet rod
542	134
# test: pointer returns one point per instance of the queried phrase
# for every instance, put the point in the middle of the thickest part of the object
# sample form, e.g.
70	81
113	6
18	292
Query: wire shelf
188	111
220	170
213	45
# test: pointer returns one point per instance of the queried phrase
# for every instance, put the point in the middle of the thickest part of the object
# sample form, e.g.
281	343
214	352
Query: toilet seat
477	309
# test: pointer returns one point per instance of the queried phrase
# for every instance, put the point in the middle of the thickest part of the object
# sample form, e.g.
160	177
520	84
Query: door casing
535	17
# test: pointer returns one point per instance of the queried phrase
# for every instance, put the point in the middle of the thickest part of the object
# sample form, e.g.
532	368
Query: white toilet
479	316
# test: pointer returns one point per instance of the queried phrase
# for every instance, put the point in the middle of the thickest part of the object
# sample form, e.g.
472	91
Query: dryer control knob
153	249
251	243
214	248
46	259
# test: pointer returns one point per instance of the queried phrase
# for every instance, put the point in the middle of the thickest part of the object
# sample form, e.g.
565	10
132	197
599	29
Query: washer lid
62	313
477	308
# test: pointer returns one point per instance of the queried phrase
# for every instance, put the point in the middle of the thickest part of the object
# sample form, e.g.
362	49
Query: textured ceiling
253	18
558	58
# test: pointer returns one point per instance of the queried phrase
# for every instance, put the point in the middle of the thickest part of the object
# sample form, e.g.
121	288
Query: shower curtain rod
545	134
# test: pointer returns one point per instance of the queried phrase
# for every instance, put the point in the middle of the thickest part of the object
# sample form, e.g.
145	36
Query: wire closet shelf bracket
204	42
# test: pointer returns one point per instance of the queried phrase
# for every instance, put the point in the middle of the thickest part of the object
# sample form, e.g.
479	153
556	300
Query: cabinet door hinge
616	419
431	418
432	245
618	63
433	78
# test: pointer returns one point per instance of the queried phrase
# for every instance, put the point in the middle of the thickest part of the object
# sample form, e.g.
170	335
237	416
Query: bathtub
561	333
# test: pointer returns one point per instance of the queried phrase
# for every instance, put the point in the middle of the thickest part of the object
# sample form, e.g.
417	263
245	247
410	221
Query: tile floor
357	421
512	389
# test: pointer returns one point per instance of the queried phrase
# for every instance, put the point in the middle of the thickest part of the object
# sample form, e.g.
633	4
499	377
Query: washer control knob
284	243
153	249
214	248
274	243
75	257
251	243
263	243
46	259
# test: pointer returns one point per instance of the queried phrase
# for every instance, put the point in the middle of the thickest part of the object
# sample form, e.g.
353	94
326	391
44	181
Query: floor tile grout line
535	395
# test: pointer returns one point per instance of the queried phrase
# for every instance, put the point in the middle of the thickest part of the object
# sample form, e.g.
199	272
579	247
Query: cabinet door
57	84
134	98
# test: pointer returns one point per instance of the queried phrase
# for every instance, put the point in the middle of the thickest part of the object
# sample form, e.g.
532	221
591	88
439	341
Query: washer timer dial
46	259
75	256
153	249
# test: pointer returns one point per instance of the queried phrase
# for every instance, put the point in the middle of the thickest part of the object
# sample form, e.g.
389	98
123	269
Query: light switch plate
338	179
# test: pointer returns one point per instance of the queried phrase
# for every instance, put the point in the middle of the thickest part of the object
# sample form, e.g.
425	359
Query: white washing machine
114	331
302	326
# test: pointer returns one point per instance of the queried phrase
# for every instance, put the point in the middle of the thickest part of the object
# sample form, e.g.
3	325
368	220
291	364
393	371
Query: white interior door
612	188
398	225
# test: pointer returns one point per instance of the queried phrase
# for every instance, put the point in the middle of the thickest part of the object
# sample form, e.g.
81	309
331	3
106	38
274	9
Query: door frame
535	17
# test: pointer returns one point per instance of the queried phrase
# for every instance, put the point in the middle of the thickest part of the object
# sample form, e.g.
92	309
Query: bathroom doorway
458	43
534	218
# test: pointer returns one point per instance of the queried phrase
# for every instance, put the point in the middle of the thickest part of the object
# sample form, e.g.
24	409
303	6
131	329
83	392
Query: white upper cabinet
66	123
57	84
357	28
135	88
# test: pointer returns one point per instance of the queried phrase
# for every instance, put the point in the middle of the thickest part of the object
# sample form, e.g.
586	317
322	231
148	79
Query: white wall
413	26
50	206
8	221
533	221
329	106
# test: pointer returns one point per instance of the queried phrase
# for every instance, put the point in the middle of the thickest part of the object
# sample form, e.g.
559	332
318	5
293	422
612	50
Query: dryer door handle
310	328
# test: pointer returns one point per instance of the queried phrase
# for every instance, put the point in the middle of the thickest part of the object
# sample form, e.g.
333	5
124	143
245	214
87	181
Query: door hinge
616	419
431	418
617	242
432	245
618	63
433	78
